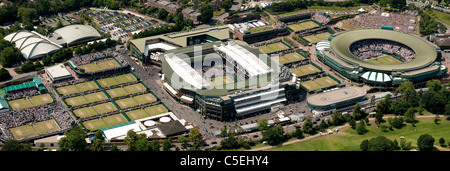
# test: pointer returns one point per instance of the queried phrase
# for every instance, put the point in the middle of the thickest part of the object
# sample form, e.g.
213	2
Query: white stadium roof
376	76
75	33
31	44
185	71
249	61
58	72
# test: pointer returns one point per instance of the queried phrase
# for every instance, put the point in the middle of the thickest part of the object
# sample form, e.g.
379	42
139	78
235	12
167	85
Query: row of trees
381	143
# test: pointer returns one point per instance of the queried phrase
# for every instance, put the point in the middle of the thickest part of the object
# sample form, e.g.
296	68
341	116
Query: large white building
77	34
32	45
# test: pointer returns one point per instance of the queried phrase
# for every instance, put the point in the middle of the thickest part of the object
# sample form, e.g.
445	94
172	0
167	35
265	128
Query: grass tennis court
130	89
146	112
320	83
94	110
97	66
385	60
136	100
290	57
304	70
303	26
274	47
34	129
89	98
31	101
96	124
317	37
120	79
81	87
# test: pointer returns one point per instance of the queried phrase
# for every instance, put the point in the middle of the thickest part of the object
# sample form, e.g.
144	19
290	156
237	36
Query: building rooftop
336	96
77	32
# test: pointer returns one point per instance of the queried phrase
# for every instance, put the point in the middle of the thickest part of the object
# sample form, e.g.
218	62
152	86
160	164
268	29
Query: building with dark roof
172	128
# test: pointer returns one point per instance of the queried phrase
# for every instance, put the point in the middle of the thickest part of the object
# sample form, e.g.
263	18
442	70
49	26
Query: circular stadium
382	56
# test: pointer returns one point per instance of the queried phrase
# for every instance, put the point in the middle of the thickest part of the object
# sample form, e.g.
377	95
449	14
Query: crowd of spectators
411	12
319	17
376	20
22	93
373	48
88	58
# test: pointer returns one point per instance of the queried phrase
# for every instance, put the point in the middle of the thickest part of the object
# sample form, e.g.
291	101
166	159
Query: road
318	135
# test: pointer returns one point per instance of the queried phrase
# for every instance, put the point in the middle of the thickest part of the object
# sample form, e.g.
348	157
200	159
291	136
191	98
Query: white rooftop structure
159	45
120	130
185	71
74	34
58	72
249	61
376	76
32	45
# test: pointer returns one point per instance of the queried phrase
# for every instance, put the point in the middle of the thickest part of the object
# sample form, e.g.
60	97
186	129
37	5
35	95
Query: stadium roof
119	130
249	61
171	128
425	52
336	96
31	44
180	38
74	33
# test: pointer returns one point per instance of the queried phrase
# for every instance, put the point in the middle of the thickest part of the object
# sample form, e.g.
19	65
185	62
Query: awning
376	76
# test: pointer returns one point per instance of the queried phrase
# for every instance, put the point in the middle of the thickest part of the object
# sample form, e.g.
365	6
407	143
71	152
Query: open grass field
120	79
34	129
348	140
274	47
97	66
96	124
385	60
304	70
303	26
317	37
146	112
323	82
290	57
30	102
81	87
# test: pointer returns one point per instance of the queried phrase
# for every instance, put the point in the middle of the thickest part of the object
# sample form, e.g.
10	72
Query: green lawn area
348	140
387	60
441	16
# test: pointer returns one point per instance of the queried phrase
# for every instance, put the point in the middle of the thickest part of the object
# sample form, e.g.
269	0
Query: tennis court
317	37
303	26
304	70
30	101
95	97
97	66
385	60
94	110
274	47
320	83
290	57
122	91
81	87
96	124
120	79
146	112
34	129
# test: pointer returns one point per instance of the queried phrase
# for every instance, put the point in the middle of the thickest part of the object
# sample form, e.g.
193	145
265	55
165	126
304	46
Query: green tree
141	143
154	145
410	115
308	127
361	128
364	146
4	74
262	124
337	119
14	145
229	143
226	4
162	14
27	15
195	136
299	133
380	143
207	12
274	135
442	141
426	142
74	140
167	144
9	56
352	123
130	140
99	142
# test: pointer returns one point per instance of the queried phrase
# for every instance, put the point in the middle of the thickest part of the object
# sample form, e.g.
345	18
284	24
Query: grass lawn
34	129
387	60
304	70
303	26
66	90
89	85
135	88
348	140
318	37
